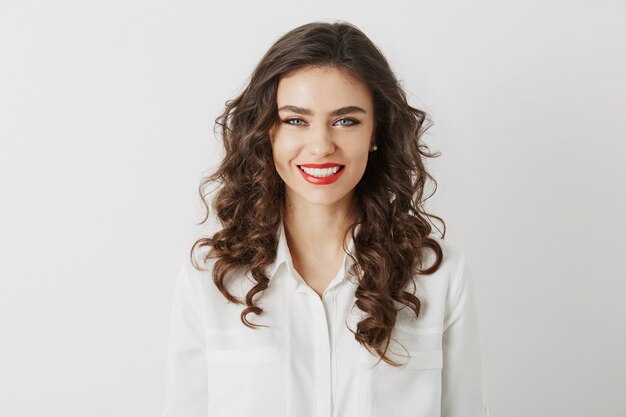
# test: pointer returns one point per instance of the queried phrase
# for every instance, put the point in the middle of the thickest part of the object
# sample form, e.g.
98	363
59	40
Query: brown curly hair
389	198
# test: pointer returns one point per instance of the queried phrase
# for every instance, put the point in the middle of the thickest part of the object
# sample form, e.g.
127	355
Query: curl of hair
389	198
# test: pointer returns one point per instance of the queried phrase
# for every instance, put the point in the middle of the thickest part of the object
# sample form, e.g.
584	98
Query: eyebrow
338	112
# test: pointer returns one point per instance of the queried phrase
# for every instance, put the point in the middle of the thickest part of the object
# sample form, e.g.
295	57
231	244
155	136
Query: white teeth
316	172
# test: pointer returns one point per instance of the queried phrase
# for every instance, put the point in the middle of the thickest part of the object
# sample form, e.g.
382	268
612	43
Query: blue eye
352	122
288	121
295	121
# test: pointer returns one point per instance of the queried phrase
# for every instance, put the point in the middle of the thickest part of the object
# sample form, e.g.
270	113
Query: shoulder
217	310
434	289
453	258
459	280
452	275
200	280
192	283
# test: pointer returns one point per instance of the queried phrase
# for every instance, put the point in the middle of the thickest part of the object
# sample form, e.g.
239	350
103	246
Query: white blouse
306	363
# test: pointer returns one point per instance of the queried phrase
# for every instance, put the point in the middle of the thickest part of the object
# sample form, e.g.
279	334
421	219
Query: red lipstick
322	180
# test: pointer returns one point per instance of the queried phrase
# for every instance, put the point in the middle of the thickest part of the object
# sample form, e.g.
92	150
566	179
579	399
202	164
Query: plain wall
106	126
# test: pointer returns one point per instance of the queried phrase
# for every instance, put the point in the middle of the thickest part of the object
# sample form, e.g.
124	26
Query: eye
351	122
295	119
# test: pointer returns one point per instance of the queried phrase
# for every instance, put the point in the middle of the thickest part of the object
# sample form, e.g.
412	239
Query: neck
317	231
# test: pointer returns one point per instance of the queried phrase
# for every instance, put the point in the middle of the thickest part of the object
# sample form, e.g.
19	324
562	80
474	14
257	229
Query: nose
320	141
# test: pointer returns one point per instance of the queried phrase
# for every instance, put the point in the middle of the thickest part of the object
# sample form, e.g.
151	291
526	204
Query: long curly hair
389	198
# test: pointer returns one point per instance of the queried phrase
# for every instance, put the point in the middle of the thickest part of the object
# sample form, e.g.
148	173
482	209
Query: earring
373	148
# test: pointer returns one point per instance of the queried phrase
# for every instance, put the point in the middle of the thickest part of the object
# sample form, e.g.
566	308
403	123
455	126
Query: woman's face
325	116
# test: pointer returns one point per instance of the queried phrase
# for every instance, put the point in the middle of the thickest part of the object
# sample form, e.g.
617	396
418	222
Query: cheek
283	155
361	154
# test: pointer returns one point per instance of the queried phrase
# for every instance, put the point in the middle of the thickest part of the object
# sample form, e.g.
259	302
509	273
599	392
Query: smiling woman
325	138
356	308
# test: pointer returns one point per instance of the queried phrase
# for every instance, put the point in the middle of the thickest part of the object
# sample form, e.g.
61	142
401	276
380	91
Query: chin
325	199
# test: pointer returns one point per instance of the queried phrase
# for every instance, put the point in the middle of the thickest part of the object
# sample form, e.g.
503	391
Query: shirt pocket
411	390
246	369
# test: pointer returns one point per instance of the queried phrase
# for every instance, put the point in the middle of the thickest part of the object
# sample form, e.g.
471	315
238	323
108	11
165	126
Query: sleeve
463	393
186	386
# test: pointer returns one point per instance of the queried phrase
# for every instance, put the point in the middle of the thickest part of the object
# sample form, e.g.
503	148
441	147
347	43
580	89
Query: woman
323	292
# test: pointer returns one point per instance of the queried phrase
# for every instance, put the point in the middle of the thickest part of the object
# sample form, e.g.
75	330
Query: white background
106	125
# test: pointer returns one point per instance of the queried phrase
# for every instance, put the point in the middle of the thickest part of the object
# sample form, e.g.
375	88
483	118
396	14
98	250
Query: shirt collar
284	256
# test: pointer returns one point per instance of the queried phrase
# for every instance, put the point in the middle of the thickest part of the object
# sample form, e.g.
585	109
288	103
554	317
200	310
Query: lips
322	180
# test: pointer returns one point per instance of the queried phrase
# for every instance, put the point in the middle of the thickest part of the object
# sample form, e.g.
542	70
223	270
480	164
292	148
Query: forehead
322	87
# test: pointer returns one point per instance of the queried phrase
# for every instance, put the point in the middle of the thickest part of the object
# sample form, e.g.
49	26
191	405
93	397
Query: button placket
323	365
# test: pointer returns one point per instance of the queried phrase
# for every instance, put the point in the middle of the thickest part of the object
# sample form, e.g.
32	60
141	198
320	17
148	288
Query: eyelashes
288	121
352	122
